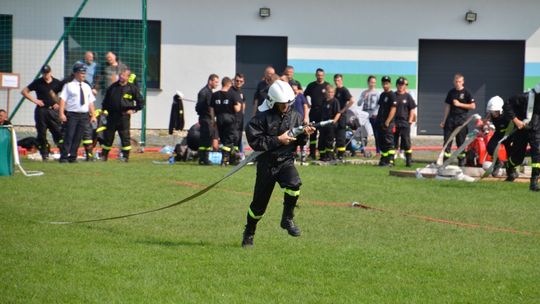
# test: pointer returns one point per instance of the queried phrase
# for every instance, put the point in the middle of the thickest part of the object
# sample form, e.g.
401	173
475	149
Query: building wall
355	38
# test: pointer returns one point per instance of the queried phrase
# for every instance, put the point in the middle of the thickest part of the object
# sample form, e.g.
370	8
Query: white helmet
280	92
495	104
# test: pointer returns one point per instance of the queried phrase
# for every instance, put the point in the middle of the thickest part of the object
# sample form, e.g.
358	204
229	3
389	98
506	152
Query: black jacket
176	121
264	128
120	98
516	106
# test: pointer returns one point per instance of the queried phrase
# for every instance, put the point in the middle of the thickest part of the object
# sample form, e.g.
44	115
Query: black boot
287	221
105	154
534	180
249	232
225	158
89	153
125	156
383	162
461	162
203	158
408	159
511	173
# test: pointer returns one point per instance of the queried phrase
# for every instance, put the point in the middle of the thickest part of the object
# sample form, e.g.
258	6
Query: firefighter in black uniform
224	105
458	102
385	119
122	99
329	110
345	102
500	122
238	83
405	116
315	91
205	121
524	111
46	113
267	131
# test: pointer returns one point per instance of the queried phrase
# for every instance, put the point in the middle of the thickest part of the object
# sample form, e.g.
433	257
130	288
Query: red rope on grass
367	207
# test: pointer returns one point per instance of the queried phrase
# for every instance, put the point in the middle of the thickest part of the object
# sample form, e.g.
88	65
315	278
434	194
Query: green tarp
6	152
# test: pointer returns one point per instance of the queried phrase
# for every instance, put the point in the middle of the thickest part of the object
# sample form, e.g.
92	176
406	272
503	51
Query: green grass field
192	253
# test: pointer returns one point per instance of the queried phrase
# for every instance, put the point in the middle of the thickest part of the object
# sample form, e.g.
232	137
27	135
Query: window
121	36
6	43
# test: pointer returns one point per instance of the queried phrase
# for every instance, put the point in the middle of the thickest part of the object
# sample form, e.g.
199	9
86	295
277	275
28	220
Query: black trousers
327	138
268	173
387	138
239	129
314	116
404	133
47	118
76	124
227	129
494	140
375	125
120	123
451	123
341	129
520	139
205	141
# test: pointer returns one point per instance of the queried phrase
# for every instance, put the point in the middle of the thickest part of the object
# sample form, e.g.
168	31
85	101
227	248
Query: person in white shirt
76	112
369	103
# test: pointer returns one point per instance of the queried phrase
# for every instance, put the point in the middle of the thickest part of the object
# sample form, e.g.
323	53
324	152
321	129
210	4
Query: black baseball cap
386	79
79	67
45	69
401	80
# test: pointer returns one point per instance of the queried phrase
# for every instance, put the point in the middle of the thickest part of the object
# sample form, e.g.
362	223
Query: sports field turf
488	251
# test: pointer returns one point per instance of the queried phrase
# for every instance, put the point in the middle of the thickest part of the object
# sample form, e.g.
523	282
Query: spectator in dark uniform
207	128
457	104
224	105
315	91
262	87
346	100
46	113
238	83
405	116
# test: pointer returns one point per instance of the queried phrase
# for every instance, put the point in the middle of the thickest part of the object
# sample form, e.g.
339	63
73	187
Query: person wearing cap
207	129
46	112
76	111
315	91
122	99
346	100
458	102
224	105
268	132
405	116
523	111
385	119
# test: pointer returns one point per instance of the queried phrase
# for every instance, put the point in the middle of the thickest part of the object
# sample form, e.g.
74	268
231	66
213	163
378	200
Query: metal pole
144	71
66	32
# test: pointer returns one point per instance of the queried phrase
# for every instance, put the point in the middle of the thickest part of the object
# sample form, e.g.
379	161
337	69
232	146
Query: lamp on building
264	12
470	16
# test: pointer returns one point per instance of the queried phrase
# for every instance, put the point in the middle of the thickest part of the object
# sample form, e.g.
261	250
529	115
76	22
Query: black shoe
63	161
289	225
511	174
534	185
461	162
72	161
247	240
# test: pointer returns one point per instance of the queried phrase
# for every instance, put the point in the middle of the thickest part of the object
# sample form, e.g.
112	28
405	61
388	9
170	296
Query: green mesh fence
6	43
72	30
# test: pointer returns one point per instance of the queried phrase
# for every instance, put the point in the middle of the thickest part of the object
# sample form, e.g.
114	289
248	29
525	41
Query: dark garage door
253	55
490	68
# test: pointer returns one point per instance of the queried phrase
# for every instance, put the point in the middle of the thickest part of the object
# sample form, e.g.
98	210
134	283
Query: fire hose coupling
300	129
